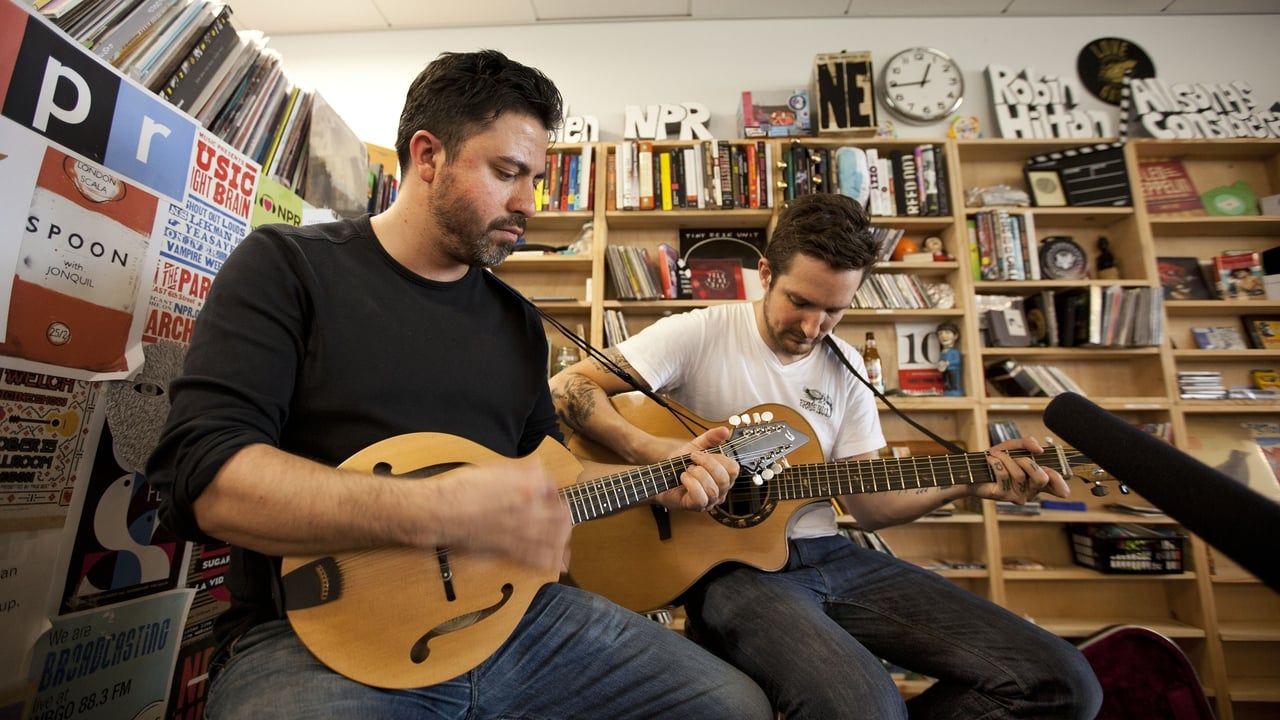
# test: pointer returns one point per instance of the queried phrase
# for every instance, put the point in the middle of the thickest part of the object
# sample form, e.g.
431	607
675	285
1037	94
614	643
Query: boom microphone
1229	516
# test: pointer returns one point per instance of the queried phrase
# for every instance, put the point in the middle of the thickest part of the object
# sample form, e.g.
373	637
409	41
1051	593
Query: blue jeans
812	634
574	655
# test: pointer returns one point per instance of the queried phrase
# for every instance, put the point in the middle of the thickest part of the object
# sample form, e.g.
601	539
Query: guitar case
1144	675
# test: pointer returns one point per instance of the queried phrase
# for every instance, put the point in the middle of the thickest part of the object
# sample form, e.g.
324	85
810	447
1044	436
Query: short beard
459	223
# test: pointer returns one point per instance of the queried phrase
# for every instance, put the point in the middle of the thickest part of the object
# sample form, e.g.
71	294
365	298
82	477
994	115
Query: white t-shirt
714	362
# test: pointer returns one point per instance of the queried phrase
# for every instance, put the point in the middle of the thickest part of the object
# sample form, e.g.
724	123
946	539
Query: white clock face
922	85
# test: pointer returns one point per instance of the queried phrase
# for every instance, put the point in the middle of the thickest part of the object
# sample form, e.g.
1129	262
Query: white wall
601	68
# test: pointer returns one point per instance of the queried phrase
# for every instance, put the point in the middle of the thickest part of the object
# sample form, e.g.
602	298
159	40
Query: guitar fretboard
865	476
604	495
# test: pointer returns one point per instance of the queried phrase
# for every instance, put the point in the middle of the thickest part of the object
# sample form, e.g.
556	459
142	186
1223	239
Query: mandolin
399	617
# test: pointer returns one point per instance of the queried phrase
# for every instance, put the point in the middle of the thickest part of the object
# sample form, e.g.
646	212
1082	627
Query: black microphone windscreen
1229	516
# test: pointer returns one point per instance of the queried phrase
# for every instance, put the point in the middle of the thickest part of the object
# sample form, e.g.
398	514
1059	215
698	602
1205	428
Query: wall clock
921	85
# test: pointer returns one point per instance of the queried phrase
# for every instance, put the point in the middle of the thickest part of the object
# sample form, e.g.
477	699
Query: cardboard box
774	113
1272	285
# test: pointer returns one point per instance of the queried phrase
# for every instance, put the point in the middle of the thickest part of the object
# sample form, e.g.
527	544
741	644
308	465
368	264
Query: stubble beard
779	336
465	241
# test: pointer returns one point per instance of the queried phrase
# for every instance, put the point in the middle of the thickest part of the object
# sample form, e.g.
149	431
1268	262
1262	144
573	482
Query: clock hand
925	78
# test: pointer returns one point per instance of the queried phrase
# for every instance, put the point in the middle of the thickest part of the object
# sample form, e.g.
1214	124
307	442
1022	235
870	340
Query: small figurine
950	361
1106	264
933	244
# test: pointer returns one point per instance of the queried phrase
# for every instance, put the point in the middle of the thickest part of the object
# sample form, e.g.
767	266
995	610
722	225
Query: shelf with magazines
1197	202
1181	187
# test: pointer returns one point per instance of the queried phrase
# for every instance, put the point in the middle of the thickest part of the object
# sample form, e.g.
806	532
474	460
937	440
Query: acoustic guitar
644	561
399	617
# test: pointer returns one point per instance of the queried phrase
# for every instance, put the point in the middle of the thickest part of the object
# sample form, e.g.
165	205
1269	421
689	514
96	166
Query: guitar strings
412	561
601	493
876	475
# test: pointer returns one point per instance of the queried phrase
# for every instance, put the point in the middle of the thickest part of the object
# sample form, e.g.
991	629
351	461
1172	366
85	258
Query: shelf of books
1107	296
1199	202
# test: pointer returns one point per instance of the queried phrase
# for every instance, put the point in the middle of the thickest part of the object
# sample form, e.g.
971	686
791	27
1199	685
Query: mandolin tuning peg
767	474
776	468
767	416
734	420
1098	490
757	480
785	463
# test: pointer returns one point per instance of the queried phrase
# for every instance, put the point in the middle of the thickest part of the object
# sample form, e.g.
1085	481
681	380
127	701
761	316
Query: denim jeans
812	634
574	655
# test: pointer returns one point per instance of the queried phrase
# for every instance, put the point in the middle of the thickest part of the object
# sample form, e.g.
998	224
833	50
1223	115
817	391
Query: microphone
1229	516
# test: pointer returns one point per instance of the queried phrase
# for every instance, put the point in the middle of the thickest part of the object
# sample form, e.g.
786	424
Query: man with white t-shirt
813	633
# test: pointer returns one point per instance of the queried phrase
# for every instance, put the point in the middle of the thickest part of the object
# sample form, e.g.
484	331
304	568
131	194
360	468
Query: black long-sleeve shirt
316	341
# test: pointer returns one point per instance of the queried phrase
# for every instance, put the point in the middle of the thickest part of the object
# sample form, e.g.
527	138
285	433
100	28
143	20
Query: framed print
1046	188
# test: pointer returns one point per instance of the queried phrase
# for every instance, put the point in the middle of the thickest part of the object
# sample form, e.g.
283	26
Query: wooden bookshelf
1226	621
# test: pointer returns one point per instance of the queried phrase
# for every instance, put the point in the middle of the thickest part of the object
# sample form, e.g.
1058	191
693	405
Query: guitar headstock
1082	467
760	444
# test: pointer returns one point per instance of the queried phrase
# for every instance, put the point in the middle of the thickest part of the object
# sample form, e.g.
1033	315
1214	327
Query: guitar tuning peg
780	164
734	420
755	417
1098	490
781	184
785	463
776	468
1124	489
816	180
766	474
767	416
757	480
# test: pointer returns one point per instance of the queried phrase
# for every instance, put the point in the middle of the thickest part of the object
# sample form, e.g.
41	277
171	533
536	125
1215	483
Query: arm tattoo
575	401
617	358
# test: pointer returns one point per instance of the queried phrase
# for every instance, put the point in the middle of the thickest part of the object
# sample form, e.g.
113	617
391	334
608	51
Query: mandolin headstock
763	444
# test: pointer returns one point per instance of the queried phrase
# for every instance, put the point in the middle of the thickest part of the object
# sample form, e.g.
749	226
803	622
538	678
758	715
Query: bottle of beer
871	358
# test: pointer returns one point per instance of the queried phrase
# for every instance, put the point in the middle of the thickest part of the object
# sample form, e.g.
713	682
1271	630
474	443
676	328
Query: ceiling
334	16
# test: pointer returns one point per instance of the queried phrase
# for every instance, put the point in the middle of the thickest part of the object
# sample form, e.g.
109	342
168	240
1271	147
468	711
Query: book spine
125	36
664	174
727	200
710	182
644	173
943	180
911	184
198	68
585	178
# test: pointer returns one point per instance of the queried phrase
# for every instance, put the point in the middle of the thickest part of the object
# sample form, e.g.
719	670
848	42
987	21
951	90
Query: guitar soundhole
421	649
384	468
748	504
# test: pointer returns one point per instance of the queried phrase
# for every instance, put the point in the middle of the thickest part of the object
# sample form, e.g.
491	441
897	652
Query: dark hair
828	227
460	94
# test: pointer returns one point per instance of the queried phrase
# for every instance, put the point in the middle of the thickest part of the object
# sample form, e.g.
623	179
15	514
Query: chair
1144	675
